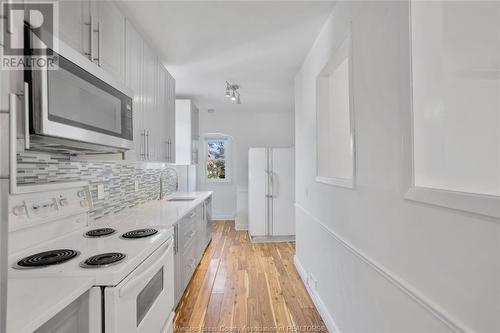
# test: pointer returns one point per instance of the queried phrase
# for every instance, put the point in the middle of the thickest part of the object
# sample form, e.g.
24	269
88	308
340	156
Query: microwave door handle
13	141
26	115
141	277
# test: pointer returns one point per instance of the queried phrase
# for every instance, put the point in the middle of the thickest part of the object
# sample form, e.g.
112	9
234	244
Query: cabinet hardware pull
98	30
90	54
143	148
148	148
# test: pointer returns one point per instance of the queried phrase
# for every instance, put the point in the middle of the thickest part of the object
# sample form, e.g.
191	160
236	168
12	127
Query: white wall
248	129
383	263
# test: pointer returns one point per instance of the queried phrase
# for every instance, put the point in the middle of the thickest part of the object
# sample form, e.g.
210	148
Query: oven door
79	101
144	301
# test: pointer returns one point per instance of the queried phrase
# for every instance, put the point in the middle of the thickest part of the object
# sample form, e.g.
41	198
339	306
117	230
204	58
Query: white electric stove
131	264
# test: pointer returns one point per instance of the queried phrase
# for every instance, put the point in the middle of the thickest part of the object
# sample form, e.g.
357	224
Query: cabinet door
134	79
150	114
171	117
195	133
162	121
110	38
74	25
282	190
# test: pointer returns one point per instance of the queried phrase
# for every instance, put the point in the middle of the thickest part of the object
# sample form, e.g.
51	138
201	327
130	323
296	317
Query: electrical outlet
136	185
100	191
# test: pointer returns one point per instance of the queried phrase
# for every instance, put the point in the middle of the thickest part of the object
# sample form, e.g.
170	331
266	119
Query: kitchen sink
181	199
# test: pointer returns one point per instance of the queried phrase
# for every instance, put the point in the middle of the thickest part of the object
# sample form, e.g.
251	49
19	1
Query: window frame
343	51
227	158
477	203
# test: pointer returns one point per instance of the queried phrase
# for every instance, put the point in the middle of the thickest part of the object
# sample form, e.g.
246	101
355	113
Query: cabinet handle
168	150
148	146
143	148
176	238
90	54
98	30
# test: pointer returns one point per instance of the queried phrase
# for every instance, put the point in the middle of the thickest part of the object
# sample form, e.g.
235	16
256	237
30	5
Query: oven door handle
141	277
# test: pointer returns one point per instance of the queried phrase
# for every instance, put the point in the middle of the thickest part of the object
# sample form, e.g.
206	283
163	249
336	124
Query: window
217	159
456	104
334	120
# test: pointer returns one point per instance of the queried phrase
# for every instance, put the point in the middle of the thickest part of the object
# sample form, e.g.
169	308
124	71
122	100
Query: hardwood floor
240	286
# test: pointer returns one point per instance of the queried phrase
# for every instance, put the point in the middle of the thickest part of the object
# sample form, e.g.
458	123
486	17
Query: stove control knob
63	202
19	210
81	194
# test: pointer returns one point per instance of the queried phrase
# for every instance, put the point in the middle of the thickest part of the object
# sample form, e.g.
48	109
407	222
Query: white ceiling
257	44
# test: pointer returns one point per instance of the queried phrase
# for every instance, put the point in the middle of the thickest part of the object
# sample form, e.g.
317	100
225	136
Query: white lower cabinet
191	237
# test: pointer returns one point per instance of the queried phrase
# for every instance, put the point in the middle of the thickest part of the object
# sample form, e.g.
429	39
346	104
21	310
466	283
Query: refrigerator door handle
275	185
269	184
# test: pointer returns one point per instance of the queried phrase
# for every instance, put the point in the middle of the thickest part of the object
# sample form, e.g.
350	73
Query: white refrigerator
271	192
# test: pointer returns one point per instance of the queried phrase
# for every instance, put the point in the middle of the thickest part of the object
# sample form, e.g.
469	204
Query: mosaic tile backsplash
117	177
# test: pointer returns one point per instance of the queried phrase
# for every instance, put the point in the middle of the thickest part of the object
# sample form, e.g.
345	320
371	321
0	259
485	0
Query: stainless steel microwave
77	108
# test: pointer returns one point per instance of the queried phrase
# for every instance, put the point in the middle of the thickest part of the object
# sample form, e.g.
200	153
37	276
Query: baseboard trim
272	239
318	302
240	226
417	296
223	217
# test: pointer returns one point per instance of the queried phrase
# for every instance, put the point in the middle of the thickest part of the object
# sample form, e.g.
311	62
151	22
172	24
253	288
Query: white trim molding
318	302
469	202
342	182
477	203
224	217
413	293
241	226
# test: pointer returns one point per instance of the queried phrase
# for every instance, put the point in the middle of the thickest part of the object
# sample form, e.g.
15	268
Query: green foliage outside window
216	159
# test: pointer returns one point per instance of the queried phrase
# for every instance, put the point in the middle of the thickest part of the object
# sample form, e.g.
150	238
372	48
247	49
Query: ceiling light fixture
232	92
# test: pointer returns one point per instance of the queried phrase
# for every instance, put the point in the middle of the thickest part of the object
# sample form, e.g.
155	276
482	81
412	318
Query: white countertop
42	298
157	212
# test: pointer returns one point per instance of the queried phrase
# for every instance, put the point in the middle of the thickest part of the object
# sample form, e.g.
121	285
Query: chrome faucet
176	182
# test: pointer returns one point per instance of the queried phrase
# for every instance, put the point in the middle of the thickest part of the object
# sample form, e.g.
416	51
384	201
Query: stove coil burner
101	232
103	260
47	258
140	233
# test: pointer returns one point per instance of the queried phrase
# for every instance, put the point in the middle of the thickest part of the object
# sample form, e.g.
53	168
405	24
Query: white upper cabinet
166	117
109	38
186	132
100	31
154	93
74	25
96	29
133	79
171	118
